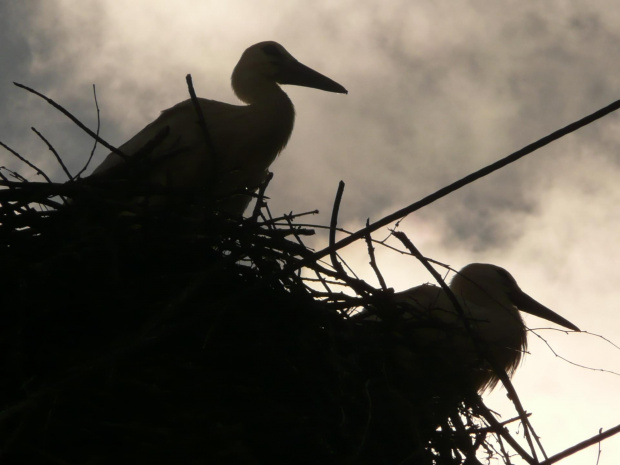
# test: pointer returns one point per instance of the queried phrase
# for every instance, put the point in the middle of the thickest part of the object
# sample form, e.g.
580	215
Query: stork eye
272	50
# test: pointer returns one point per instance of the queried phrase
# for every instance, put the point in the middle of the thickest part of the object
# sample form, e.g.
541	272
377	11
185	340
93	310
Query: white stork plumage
491	299
246	138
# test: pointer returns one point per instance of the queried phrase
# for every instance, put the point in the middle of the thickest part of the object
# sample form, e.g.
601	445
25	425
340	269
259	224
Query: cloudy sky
436	91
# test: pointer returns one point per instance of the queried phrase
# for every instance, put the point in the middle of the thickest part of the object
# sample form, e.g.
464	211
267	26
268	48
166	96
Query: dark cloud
15	53
15	58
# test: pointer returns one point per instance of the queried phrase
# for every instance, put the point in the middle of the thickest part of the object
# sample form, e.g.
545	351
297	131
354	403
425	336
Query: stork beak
298	74
526	304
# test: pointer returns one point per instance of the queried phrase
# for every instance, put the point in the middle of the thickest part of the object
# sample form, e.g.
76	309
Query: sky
437	90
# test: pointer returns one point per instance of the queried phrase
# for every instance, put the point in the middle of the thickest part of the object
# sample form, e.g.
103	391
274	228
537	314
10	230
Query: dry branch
397	215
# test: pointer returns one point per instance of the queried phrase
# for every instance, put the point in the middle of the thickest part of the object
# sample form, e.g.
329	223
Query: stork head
482	283
265	65
496	299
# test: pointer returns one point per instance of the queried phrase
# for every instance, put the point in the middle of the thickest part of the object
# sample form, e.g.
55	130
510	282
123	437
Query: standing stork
244	139
490	300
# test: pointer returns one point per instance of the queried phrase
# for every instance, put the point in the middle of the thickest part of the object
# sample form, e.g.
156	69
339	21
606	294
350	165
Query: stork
244	139
490	300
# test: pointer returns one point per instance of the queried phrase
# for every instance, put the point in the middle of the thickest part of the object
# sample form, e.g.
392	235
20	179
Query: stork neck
252	89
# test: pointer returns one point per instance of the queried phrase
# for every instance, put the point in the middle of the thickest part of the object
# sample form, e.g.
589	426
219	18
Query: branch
74	119
501	431
211	153
261	196
582	445
31	165
570	362
332	229
373	260
53	150
92	152
463	182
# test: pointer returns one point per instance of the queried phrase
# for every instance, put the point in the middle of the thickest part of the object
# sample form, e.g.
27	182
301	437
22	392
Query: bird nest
180	335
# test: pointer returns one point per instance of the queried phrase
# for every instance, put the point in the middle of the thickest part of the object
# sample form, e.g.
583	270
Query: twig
357	279
92	152
53	150
504	451
401	236
501	431
355	283
463	182
31	165
211	153
582	445
332	229
609	341
261	196
22	180
295	216
322	280
373	261
295	231
74	119
381	242
570	361
503	423
470	454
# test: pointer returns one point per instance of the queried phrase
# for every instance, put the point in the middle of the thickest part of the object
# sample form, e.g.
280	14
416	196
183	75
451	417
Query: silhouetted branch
582	445
53	150
332	228
499	429
74	119
466	180
31	165
570	362
373	261
92	152
261	196
211	152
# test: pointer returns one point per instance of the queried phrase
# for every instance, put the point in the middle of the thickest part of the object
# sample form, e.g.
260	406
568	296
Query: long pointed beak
298	74
526	304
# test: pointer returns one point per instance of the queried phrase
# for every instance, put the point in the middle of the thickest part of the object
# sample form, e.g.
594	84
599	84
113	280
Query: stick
463	182
373	260
74	119
53	150
582	445
92	152
332	228
211	153
31	165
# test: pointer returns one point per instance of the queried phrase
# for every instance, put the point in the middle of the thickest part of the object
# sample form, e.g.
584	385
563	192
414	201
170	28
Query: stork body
245	139
491	300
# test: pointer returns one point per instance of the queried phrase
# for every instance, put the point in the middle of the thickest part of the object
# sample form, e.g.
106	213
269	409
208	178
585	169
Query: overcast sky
436	91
